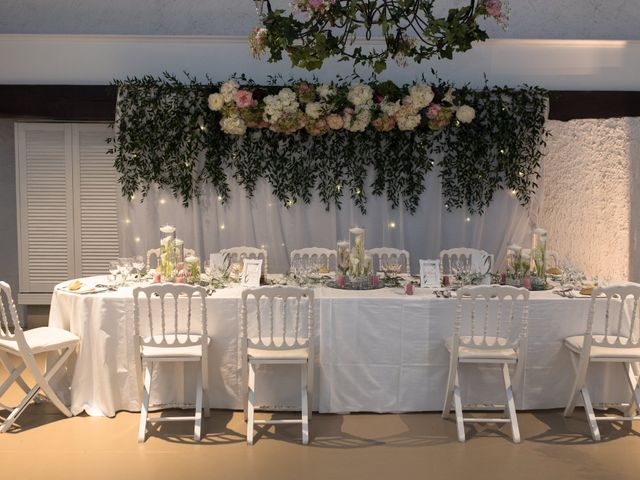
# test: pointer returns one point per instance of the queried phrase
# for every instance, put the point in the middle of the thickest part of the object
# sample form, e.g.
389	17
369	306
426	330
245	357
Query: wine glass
138	264
114	269
125	269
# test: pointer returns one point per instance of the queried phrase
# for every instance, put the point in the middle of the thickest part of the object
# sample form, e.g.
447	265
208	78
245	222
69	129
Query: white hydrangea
390	108
406	119
272	108
314	109
359	121
228	90
325	91
233	125
421	95
216	101
288	100
359	93
465	113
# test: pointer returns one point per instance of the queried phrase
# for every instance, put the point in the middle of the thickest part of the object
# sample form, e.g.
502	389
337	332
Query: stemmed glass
125	269
138	264
114	269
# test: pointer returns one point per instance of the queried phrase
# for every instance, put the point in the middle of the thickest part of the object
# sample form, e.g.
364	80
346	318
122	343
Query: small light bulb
127	221
446	205
132	197
338	188
290	202
392	224
282	244
357	191
162	201
263	246
222	226
219	198
468	219
513	192
137	239
521	174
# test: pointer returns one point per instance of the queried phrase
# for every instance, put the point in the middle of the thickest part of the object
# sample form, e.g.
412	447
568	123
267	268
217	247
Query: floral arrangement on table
315	30
320	109
167	262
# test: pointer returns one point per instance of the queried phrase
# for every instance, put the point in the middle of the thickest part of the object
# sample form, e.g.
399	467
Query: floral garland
307	139
322	108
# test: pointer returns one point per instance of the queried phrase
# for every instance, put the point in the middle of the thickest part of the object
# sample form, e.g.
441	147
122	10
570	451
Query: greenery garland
168	136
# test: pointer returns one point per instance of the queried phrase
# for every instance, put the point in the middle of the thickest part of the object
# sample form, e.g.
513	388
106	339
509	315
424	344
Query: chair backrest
274	318
492	316
383	255
236	254
613	317
153	253
156	252
10	328
163	315
469	258
322	256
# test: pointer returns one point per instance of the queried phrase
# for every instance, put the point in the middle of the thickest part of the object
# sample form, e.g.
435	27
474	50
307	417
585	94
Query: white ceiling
563	19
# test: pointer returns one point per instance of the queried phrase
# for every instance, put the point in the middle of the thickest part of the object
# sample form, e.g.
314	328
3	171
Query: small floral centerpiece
192	269
517	266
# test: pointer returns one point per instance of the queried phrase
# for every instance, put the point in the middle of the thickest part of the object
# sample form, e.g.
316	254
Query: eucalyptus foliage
166	135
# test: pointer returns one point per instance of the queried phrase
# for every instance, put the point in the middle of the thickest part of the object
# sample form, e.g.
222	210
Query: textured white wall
568	19
590	195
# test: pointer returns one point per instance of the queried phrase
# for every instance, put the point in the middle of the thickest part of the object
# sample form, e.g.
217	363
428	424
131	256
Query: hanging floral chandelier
319	29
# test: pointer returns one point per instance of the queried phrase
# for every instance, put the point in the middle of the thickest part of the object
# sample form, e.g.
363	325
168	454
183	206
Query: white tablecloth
378	351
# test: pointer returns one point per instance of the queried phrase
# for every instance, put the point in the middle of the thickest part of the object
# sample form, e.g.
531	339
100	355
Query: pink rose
433	110
493	8
243	99
315	4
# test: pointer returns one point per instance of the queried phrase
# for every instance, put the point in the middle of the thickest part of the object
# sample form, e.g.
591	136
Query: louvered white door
45	196
67	205
96	196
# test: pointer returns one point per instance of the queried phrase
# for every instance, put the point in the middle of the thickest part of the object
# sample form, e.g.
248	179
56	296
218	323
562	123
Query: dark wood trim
91	103
568	105
97	103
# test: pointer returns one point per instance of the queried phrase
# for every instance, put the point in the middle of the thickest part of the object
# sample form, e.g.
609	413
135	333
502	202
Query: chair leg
205	387
304	405
578	384
310	375
14	375
634	403
5	360
251	400
457	401
16	412
446	408
144	408
591	416
44	380
197	430
510	404
245	387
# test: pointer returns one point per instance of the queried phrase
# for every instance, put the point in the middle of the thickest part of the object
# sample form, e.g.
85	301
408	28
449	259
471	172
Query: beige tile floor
359	446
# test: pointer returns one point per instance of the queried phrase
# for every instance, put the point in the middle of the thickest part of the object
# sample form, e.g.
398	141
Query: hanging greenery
307	138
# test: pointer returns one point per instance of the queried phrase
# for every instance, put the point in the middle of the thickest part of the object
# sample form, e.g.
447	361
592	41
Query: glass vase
539	257
357	260
167	261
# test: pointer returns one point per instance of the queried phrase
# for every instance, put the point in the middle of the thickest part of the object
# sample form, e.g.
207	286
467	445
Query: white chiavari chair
24	345
322	256
469	258
490	328
383	255
236	254
165	332
277	328
612	336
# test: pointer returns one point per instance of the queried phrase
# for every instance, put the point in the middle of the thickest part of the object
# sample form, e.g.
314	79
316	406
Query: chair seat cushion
576	342
289	354
42	339
175	350
469	352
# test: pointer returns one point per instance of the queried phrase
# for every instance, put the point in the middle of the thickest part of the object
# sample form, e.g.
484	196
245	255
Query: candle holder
539	259
167	261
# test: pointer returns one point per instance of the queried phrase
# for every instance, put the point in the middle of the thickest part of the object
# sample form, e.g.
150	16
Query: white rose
228	90
359	93
390	108
407	120
465	113
314	109
421	95
233	125
325	91
359	121
216	101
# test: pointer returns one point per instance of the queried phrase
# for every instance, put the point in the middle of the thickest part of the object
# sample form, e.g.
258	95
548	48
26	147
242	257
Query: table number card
429	273
251	272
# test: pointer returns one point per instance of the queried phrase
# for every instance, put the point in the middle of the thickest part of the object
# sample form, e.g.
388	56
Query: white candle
168	229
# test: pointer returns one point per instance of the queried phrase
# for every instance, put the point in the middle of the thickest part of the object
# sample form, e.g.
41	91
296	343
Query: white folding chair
236	254
323	256
471	258
612	336
273	332
383	255
24	345
165	332
497	337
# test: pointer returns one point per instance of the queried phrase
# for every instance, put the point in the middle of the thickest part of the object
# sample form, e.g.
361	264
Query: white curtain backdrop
208	226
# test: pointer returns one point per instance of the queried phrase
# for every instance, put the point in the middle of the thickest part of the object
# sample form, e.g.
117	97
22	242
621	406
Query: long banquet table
376	351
